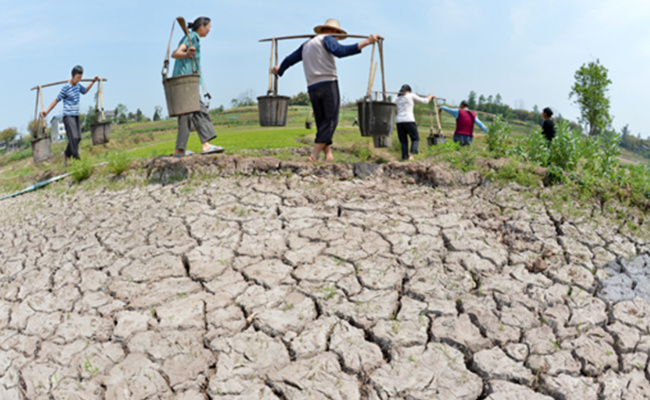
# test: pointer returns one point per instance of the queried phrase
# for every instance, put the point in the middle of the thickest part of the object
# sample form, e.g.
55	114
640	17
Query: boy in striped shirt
70	94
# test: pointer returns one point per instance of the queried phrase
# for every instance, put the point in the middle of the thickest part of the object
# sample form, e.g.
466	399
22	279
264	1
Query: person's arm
288	61
44	113
184	50
90	84
423	100
333	46
452	111
480	124
373	38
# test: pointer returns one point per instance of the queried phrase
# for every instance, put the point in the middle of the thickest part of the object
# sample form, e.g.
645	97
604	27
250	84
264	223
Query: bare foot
311	159
329	157
411	157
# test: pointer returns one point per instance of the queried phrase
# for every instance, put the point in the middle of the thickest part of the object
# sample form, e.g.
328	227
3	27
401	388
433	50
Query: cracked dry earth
315	285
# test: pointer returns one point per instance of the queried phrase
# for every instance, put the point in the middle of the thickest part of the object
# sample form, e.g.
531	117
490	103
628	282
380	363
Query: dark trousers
200	121
73	132
406	130
326	102
464	140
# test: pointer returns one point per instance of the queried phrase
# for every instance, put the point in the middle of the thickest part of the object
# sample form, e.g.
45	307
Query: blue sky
527	51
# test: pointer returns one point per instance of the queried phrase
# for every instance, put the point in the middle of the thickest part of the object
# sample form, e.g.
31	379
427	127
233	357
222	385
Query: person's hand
191	52
43	114
431	97
276	69
97	79
374	38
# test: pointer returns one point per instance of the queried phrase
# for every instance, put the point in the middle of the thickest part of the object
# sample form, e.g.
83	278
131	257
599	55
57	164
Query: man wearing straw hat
317	55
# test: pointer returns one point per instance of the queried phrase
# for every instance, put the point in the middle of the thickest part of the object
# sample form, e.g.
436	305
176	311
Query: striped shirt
70	96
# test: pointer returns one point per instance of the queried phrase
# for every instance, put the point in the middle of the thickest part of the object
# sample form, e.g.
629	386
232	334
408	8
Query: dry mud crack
273	280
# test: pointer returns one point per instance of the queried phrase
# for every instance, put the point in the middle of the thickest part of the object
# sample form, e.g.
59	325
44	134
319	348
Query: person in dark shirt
548	126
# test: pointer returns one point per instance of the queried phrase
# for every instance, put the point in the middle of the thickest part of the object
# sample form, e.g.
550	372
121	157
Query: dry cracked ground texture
295	286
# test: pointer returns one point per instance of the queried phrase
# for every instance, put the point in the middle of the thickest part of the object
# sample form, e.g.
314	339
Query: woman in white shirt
406	127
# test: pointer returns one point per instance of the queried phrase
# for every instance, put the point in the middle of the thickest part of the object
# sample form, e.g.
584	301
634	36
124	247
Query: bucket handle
273	81
380	46
99	105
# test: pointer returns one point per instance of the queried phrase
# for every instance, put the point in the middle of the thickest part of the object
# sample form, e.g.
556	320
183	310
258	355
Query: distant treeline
634	143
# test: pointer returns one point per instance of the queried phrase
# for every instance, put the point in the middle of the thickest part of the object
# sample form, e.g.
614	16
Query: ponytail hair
199	22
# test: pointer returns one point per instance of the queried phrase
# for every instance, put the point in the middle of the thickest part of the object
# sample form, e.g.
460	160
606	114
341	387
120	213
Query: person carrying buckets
317	55
70	95
465	120
405	119
188	60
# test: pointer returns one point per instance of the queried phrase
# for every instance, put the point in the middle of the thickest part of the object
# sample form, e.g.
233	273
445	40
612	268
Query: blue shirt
185	66
70	96
454	113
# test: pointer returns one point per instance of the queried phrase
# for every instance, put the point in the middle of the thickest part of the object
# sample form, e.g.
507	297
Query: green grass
261	138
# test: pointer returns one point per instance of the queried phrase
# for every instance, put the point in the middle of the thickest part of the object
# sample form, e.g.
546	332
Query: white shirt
405	106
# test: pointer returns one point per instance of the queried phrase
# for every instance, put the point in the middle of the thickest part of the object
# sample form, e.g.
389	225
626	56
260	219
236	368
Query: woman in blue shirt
188	60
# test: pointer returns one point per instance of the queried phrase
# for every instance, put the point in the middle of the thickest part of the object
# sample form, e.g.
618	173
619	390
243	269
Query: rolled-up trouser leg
200	121
326	102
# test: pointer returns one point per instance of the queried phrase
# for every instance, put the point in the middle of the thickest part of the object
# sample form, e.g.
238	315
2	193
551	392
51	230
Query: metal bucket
182	94
100	132
41	149
273	110
377	118
434	140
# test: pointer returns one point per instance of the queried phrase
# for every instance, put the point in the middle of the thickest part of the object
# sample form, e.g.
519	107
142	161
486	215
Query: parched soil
285	280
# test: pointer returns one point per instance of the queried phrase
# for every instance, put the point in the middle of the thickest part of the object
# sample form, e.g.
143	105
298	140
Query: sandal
187	153
214	150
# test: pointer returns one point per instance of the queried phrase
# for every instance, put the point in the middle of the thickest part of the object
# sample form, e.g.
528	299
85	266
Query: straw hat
332	24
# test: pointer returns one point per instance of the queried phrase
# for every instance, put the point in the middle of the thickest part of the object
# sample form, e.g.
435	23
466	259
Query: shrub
498	137
118	162
567	148
537	149
81	169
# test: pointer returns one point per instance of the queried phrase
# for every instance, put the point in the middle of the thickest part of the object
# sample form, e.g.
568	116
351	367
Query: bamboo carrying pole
313	35
62	82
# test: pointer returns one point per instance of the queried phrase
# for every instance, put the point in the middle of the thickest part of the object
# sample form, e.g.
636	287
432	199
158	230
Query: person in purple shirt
317	55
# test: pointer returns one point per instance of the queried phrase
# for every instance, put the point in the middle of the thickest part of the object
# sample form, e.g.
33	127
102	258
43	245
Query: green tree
590	92
301	99
120	113
8	134
138	115
471	100
157	113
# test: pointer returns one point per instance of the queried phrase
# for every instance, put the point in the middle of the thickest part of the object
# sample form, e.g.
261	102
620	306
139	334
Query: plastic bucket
41	149
377	118
273	110
182	94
